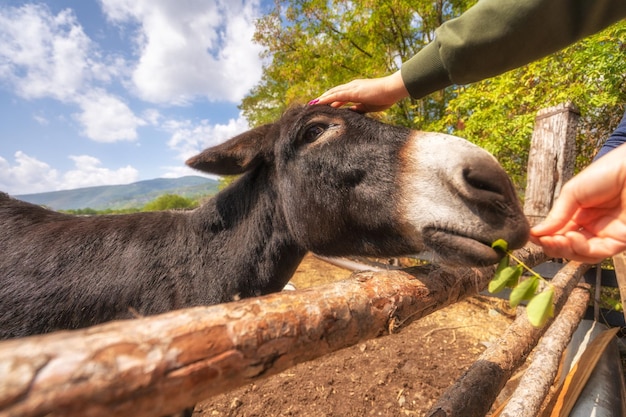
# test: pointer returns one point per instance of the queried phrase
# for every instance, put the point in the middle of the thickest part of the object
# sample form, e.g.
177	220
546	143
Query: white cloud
182	171
49	56
89	172
202	49
152	116
188	139
29	175
106	118
41	54
42	120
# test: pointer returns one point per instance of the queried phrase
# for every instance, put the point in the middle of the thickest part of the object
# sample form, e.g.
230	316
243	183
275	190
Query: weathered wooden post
551	159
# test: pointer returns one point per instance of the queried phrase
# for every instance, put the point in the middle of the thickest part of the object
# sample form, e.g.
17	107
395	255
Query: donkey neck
250	237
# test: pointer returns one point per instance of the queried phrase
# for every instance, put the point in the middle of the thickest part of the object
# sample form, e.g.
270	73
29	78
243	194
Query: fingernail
312	102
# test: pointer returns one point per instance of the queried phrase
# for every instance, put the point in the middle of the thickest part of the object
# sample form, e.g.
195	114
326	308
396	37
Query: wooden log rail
536	383
475	391
159	365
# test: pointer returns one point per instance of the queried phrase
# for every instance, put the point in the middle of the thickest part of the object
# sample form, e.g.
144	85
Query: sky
100	92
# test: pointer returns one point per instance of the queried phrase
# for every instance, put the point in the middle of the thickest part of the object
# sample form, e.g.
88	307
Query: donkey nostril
484	180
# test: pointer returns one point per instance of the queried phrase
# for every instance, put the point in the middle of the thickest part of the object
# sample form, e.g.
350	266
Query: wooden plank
568	392
534	387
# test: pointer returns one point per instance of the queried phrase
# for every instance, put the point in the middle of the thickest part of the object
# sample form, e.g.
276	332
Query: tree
312	45
88	211
169	202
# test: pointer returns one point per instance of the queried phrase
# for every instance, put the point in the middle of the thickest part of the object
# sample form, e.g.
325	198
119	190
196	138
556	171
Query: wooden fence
162	364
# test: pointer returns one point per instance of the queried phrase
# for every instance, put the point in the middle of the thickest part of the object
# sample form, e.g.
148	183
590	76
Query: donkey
319	179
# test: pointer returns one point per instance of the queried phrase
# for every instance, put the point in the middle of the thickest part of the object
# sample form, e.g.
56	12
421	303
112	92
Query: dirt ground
401	374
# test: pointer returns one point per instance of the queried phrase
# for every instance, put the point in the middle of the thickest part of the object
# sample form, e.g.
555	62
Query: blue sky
96	92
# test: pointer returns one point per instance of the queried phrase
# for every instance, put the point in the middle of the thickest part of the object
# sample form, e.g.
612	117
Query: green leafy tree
169	202
312	45
81	212
226	181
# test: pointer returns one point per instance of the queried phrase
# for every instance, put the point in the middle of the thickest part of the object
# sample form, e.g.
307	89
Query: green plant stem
527	268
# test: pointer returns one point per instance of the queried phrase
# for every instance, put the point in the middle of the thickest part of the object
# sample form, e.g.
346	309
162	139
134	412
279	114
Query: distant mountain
117	197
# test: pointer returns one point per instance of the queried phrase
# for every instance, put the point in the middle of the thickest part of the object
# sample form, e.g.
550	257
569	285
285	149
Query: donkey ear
237	155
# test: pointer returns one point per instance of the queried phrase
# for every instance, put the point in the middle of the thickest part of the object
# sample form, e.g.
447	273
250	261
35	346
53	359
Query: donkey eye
313	132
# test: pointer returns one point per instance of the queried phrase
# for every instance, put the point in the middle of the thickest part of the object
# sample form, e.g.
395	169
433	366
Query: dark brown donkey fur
319	179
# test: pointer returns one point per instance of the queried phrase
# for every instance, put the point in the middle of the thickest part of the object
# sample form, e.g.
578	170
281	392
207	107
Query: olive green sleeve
495	36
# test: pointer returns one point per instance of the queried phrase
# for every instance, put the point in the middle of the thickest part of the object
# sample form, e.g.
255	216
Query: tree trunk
159	365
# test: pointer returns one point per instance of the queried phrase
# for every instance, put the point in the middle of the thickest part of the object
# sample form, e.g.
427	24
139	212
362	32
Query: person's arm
495	36
588	220
490	38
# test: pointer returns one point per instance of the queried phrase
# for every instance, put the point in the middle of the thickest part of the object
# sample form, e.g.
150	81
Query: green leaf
507	276
541	307
501	244
504	262
525	290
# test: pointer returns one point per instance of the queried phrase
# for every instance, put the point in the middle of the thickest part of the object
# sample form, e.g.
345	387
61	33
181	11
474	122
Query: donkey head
350	185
